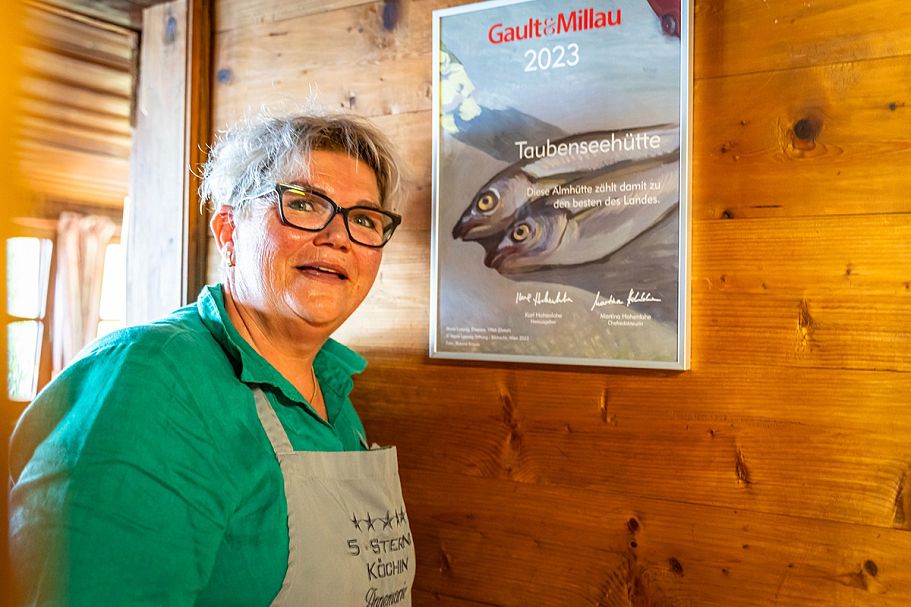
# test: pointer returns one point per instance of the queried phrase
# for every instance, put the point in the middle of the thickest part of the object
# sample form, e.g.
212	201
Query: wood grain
352	60
124	13
55	172
237	14
78	37
743	36
61	68
746	438
74	108
65	96
154	268
556	546
197	107
749	160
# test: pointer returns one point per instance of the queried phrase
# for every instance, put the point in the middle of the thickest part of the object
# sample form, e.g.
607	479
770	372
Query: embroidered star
369	520
400	516
357	523
387	522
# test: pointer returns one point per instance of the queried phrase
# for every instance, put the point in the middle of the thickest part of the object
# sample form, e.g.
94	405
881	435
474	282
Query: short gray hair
260	152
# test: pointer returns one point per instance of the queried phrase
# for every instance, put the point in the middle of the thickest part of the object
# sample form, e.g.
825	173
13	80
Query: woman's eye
300	204
365	220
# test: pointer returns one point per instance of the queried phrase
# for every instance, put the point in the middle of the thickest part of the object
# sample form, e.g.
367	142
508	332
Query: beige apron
349	540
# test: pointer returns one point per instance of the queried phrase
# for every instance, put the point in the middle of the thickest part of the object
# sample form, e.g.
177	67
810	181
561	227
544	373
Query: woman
214	457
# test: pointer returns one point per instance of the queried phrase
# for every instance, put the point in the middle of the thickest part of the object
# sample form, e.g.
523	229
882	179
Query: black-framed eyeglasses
305	209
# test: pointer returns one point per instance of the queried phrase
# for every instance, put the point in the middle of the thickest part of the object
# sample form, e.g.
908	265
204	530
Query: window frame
44	229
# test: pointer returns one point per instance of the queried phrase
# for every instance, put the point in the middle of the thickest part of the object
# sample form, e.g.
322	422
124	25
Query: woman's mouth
324	270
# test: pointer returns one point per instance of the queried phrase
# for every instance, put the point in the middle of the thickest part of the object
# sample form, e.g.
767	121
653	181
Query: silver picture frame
561	216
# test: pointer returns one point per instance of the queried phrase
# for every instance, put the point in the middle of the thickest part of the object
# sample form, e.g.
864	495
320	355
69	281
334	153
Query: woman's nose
335	234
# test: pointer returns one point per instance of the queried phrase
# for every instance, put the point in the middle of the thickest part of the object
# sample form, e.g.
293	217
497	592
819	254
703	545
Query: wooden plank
59	68
236	14
411	135
125	13
746	438
352	61
375	90
750	161
434	598
744	36
74	137
103	105
54	172
831	292
197	115
115	126
511	544
159	170
59	32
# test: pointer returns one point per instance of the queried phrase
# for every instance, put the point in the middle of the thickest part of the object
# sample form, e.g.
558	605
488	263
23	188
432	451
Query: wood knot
507	408
870	567
391	14
633	525
806	326
806	129
740	467
726	214
170	30
445	561
676	566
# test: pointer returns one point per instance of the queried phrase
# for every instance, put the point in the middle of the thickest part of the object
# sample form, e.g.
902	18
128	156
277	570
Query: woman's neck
291	353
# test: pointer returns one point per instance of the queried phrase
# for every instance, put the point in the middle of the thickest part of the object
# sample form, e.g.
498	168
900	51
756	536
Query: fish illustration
547	233
494	206
648	264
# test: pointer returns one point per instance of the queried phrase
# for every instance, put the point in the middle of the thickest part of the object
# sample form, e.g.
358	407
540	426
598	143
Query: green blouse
142	475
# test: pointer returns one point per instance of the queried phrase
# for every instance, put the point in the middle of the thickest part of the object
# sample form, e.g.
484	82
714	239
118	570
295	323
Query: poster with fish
560	229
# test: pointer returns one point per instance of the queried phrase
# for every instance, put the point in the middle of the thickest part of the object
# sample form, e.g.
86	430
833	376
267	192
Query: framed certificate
561	155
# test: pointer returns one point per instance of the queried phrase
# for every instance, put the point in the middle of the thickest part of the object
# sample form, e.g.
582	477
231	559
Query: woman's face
319	278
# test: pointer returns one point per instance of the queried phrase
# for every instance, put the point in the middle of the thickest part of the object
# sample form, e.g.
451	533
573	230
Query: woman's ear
222	226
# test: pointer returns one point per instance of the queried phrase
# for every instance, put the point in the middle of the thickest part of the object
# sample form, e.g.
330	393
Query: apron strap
274	430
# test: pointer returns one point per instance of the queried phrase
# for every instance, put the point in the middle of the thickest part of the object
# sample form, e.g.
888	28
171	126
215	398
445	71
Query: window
112	309
28	270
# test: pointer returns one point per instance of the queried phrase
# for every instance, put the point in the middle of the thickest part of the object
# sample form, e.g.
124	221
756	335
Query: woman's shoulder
170	361
172	334
135	384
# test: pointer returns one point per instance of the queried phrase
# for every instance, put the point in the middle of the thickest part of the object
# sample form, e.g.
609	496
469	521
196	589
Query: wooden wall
75	107
778	470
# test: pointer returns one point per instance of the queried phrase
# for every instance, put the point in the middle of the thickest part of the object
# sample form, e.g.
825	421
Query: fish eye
488	201
521	232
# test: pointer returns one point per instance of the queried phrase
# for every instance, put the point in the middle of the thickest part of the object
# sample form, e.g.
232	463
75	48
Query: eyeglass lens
312	212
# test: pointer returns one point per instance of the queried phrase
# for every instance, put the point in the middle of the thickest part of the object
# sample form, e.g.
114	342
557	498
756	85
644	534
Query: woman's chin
328	312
